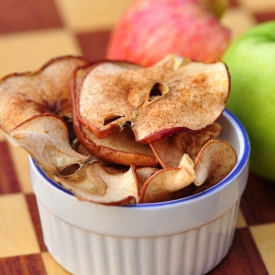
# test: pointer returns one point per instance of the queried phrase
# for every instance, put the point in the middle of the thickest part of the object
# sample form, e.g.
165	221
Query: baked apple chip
92	182
45	91
170	149
214	162
120	147
172	95
162	184
32	106
46	139
143	174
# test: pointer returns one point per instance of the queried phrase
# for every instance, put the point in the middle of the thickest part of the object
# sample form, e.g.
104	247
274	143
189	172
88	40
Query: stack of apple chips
140	134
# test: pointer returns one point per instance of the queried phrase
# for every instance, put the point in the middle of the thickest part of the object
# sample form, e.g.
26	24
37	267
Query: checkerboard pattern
32	32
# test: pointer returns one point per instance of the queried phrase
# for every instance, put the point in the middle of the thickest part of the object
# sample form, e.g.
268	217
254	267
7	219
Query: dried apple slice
46	90
162	185
215	161
170	149
143	174
31	107
92	182
120	147
156	101
46	138
105	101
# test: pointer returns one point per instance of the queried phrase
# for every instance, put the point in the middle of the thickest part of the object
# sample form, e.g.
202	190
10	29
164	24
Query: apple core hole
111	119
158	90
69	170
128	124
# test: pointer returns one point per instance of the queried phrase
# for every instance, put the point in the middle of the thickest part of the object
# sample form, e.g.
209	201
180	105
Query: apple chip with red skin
162	184
32	106
94	183
143	174
214	162
44	91
46	139
172	95
120	147
169	149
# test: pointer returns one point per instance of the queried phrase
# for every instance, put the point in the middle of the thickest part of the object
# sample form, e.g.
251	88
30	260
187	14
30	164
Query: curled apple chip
162	184
143	174
24	95
173	94
170	149
214	162
32	105
92	182
120	147
103	98
46	138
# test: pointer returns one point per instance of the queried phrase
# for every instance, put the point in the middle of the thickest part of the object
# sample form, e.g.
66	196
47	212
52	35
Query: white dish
181	237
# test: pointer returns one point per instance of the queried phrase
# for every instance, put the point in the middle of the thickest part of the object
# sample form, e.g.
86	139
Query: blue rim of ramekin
234	173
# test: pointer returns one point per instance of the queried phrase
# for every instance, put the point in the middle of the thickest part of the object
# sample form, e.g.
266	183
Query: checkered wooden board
32	32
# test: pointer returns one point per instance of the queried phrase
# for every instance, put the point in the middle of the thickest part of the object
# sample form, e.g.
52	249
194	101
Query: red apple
149	30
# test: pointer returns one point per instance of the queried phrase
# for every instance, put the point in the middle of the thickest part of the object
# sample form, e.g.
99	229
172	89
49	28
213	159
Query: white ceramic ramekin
183	237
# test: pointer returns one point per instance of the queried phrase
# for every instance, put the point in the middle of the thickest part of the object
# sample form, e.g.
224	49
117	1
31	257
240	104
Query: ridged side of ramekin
192	252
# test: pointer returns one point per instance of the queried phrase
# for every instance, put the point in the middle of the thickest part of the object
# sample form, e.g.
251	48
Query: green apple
251	63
